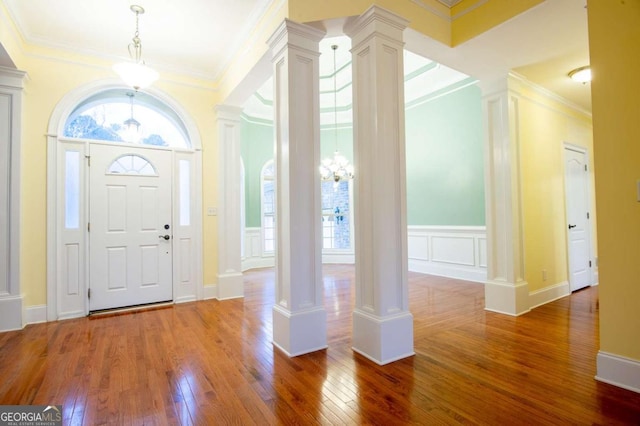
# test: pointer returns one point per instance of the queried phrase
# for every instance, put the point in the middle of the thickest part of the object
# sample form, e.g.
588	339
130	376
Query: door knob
166	237
572	226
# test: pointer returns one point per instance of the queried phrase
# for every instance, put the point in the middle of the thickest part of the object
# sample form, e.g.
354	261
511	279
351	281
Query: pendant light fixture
134	72
338	167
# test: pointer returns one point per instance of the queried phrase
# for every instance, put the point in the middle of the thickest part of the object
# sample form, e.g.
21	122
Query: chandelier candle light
338	167
135	73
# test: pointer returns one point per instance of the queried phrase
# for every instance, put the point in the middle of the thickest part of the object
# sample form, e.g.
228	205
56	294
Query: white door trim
581	149
59	307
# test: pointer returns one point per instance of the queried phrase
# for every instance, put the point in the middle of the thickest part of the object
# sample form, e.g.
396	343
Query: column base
383	340
299	333
11	313
230	286
506	298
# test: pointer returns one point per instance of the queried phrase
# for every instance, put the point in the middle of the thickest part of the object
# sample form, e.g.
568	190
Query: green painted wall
445	181
256	148
445	161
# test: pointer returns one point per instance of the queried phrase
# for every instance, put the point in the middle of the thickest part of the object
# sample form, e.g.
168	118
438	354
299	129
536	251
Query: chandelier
135	73
338	167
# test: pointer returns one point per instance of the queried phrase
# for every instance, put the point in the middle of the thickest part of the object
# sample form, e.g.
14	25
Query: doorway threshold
130	309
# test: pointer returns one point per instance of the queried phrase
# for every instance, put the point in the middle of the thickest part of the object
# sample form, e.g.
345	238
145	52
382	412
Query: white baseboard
506	298
258	262
339	258
185	299
11	312
210	291
618	371
449	271
549	294
36	314
449	251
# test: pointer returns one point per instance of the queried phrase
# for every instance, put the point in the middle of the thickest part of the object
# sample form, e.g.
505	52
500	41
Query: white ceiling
199	37
196	37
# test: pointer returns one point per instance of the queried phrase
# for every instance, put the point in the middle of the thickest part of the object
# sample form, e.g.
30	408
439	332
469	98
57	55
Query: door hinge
587	215
585	167
88	157
589	264
88	226
89	293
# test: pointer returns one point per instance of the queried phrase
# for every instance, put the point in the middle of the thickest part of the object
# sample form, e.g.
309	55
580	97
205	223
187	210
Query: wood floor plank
213	362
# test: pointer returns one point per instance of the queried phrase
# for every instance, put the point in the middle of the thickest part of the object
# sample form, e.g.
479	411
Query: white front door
130	244
578	226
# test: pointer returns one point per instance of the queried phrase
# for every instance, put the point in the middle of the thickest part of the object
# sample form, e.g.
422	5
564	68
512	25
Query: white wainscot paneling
253	256
450	251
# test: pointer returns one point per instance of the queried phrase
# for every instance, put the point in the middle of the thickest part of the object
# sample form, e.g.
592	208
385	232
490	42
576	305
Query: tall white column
299	319
382	323
230	284
506	291
11	300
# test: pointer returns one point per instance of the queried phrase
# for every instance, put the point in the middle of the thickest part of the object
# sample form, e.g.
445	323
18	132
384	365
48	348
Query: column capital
12	77
375	21
293	33
227	112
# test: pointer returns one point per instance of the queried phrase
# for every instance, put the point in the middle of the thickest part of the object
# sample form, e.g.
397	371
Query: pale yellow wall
544	125
614	39
473	17
51	75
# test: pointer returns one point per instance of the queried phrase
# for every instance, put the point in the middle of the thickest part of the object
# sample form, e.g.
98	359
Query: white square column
230	284
382	323
299	319
506	290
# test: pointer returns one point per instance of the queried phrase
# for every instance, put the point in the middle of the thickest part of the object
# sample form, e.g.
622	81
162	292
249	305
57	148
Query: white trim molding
548	294
618	371
12	315
253	256
450	251
36	314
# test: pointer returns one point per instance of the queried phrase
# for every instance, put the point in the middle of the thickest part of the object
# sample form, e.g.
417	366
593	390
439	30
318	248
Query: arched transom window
120	115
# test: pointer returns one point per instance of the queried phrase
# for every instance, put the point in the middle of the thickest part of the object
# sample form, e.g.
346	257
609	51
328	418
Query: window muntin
131	164
102	117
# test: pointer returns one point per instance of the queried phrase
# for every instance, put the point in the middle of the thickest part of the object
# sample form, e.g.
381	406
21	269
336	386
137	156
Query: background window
336	219
268	193
118	115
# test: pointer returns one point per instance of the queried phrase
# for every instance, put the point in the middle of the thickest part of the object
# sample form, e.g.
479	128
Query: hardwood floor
213	362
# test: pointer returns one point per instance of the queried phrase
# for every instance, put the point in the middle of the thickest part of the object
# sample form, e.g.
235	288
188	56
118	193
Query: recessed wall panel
116	268
149	265
148	208
72	270
185	260
116	208
459	250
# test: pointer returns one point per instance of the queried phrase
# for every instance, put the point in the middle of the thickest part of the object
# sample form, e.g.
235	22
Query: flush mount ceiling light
581	75
135	73
338	167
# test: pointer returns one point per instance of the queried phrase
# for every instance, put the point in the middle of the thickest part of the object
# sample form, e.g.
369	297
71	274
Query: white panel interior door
130	240
577	202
